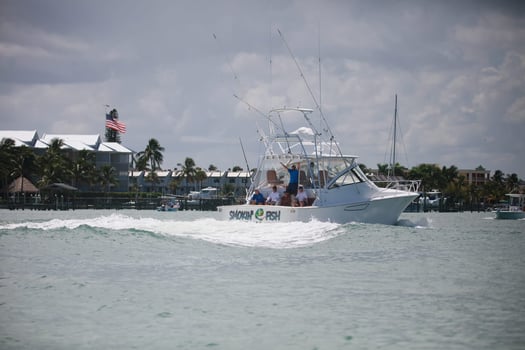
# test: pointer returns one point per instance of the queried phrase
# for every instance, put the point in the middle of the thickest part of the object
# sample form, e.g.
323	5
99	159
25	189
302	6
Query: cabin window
357	171
349	178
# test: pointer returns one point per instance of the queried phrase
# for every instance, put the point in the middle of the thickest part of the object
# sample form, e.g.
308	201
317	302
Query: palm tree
174	184
108	177
382	169
7	150
152	155
188	170
512	182
400	170
498	181
448	175
141	163
54	165
457	191
83	167
200	175
429	174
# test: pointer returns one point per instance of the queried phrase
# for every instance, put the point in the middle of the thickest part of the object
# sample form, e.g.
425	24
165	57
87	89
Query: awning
22	184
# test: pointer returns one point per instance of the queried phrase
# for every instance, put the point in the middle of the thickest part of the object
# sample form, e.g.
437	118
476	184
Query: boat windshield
315	172
348	176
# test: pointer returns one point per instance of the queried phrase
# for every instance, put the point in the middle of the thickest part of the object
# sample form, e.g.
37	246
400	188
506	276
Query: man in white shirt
274	197
301	197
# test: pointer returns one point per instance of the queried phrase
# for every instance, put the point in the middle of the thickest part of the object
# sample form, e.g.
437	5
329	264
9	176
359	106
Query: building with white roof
106	153
21	137
119	157
239	181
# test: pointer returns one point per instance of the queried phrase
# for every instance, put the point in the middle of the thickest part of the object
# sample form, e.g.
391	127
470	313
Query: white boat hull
379	211
515	209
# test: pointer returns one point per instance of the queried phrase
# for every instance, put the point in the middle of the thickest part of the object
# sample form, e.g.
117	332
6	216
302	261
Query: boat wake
234	233
419	223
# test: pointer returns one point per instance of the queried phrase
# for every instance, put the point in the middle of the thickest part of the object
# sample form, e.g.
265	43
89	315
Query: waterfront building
106	153
476	177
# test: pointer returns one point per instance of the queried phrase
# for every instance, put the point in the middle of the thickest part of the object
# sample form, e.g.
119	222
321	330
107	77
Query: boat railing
404	185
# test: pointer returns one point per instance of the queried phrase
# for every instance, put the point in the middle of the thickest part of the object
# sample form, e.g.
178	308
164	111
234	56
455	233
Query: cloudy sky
171	69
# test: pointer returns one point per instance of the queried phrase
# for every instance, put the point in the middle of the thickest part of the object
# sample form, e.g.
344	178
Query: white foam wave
250	234
422	222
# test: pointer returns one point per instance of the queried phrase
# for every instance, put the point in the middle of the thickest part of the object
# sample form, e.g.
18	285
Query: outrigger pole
310	91
244	154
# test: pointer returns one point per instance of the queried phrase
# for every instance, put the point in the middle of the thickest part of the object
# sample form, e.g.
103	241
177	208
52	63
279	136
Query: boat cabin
317	175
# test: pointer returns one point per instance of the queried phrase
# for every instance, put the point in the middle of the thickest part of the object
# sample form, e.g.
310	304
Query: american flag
113	123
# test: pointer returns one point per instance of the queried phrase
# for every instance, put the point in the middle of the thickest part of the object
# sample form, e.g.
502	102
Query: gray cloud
457	67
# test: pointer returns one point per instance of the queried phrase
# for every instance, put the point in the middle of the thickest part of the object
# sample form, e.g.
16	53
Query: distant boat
337	189
168	204
195	197
430	200
515	208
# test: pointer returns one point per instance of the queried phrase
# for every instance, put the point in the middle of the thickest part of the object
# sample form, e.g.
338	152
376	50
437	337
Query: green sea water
185	280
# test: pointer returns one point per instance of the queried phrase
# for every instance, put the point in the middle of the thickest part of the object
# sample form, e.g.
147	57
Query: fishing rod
244	154
259	112
327	127
235	76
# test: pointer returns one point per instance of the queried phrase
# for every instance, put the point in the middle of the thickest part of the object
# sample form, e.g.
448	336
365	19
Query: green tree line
59	165
55	165
455	186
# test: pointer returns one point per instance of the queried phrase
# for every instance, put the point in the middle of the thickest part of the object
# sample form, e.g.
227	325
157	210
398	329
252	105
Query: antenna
270	62
319	63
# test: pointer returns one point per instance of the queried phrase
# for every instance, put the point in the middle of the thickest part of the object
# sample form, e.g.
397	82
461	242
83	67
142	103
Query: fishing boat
336	187
515	208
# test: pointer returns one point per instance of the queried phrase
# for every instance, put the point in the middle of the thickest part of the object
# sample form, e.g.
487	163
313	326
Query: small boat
194	197
430	200
515	208
336	187
168	206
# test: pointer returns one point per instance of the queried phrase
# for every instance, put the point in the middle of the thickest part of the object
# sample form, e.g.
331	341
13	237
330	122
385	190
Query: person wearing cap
274	197
257	197
301	197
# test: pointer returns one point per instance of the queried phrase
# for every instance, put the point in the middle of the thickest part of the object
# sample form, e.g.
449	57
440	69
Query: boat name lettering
273	215
241	214
260	215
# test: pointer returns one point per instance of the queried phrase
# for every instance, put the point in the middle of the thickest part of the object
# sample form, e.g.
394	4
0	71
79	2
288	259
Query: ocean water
129	279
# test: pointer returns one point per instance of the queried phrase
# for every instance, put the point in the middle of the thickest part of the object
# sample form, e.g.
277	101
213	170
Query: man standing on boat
294	179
